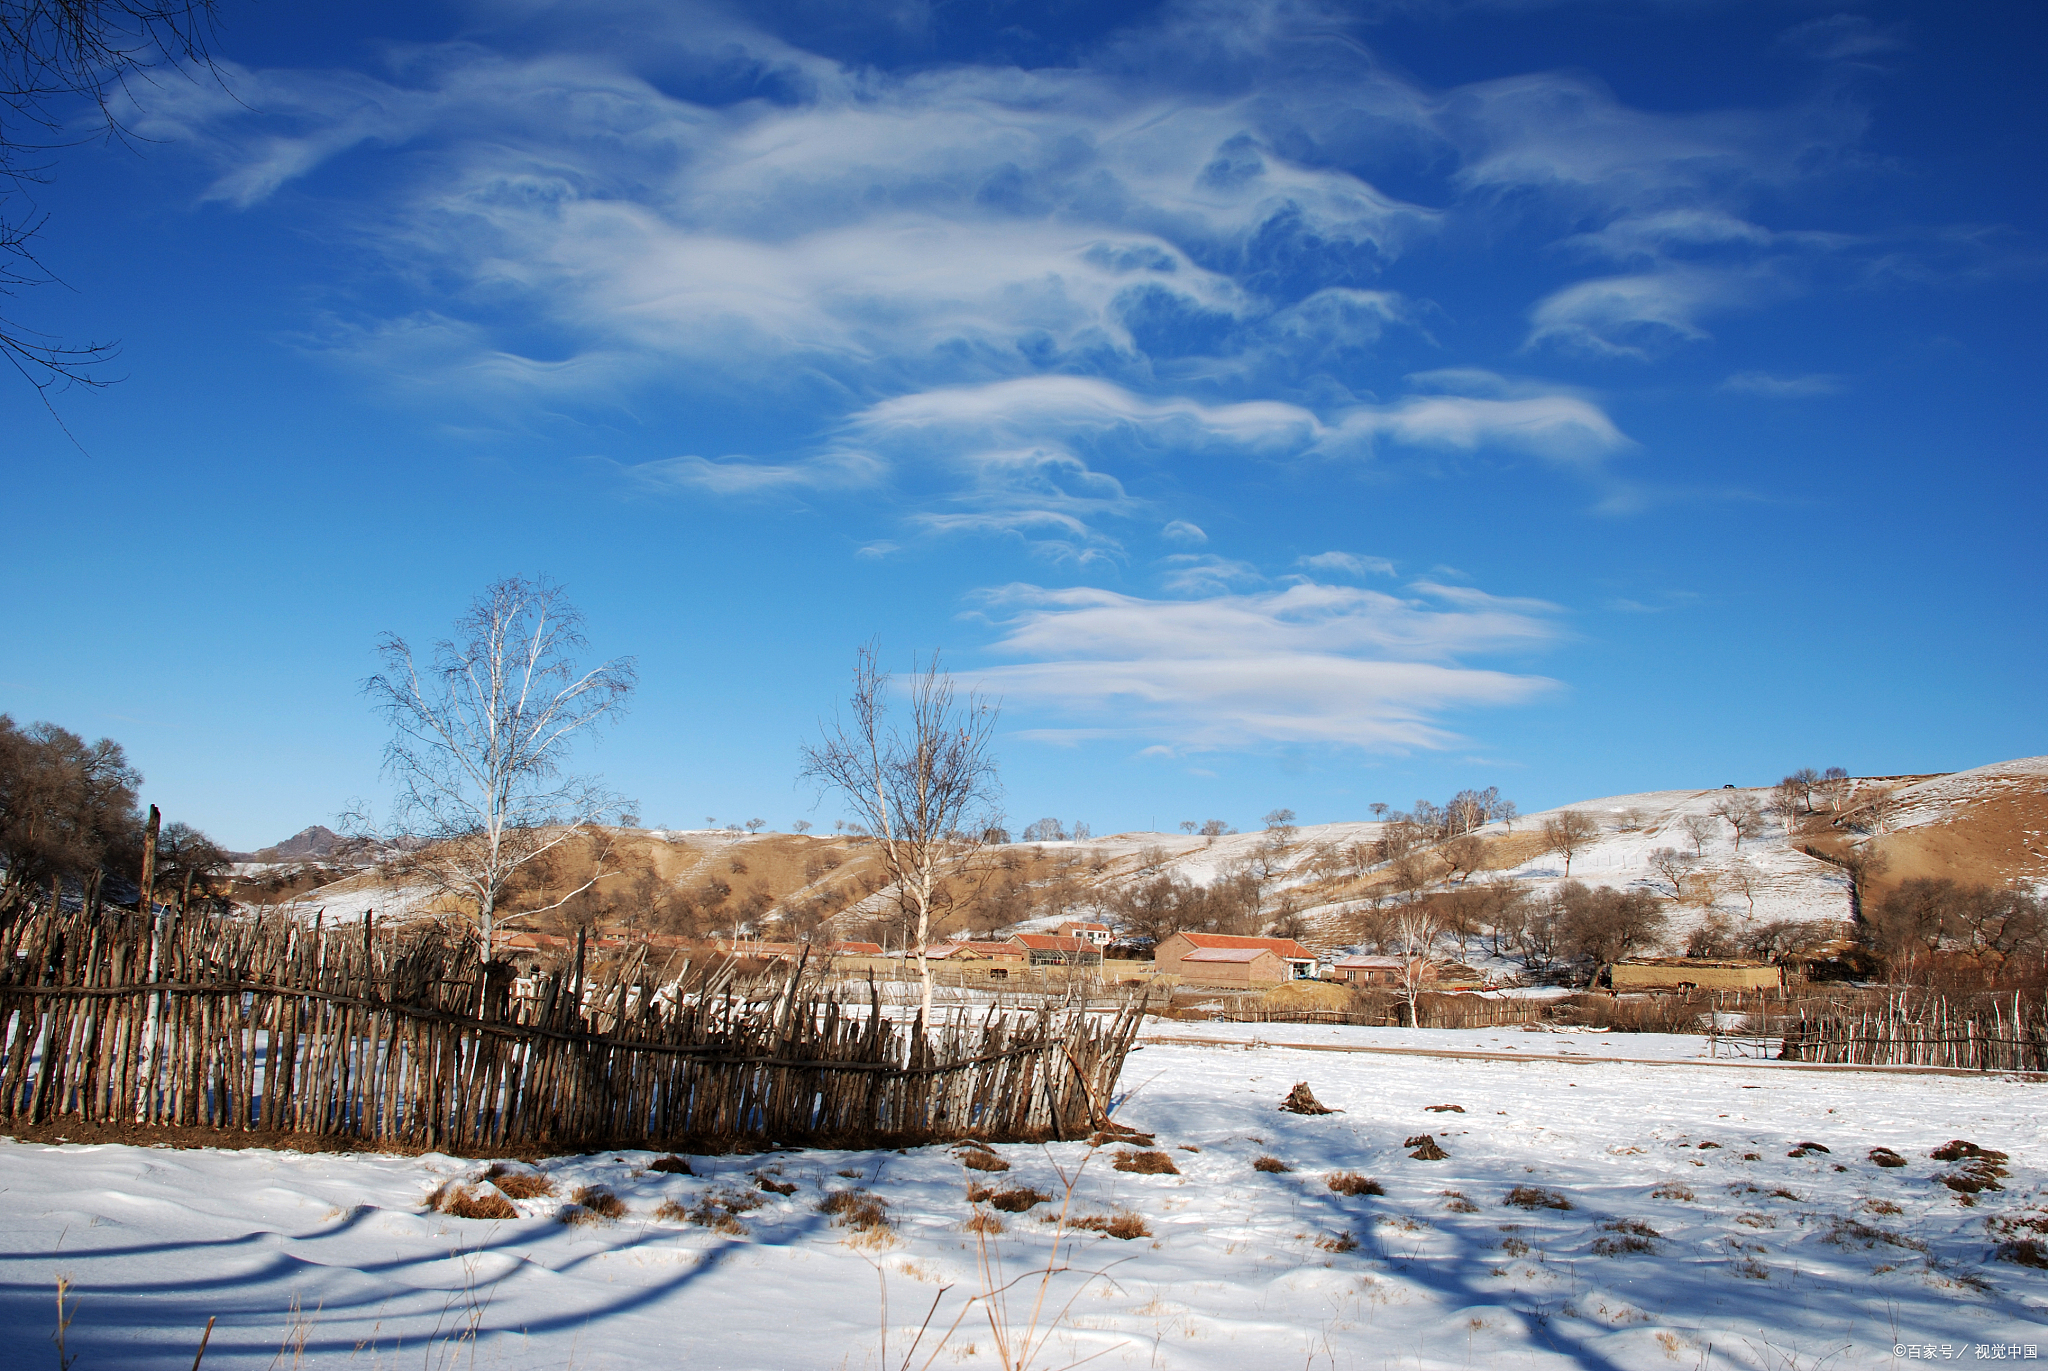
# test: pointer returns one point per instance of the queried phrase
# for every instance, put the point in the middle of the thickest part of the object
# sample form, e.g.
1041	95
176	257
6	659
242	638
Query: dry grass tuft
1146	1163
1352	1183
984	1222
1884	1156
852	1175
1806	1149
672	1211
1536	1197
773	1186
1426	1149
720	1211
1338	1242
858	1210
460	1202
1016	1199
1850	1231
672	1164
521	1185
1784	1195
1672	1190
1624	1236
1444	1108
600	1201
2026	1251
976	1160
1272	1166
1958	1150
1882	1207
1122	1224
1457	1203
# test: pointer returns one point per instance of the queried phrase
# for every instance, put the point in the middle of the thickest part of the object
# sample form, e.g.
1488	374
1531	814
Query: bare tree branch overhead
66	67
480	736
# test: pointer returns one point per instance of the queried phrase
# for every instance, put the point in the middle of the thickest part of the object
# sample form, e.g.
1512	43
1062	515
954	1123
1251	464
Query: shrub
1146	1163
672	1164
1123	1224
601	1201
1352	1183
1272	1166
1536	1197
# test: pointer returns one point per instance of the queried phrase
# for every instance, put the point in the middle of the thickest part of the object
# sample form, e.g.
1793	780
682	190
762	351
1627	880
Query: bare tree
924	791
1418	928
1464	853
1280	824
1742	813
1567	834
479	738
1212	829
1746	880
756	825
1187	825
1806	778
1674	866
1787	802
1700	828
1835	788
801	826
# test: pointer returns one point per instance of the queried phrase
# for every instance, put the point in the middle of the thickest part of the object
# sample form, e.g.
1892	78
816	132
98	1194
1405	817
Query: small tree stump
1301	1100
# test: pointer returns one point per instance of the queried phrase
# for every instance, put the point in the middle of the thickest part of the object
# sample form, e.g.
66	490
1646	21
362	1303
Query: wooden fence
276	1027
1985	1033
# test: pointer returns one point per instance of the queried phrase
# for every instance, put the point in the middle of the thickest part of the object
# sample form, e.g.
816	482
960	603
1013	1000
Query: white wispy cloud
1347	563
1309	663
1783	387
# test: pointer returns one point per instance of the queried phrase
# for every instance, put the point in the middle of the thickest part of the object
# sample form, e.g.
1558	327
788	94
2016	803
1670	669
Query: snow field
1759	1259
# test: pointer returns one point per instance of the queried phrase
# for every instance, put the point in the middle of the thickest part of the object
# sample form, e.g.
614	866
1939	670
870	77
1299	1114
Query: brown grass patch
671	1164
1272	1166
1338	1242
775	1187
600	1201
1672	1190
1426	1149
1122	1224
1784	1195
1535	1197
459	1201
1882	1207
1352	1183
1756	1221
1884	1156
1145	1163
1016	1199
520	1185
1624	1236
1302	1100
1807	1149
672	1211
1848	1231
858	1210
1957	1150
984	1222
1457	1203
2026	1251
983	1161
1444	1108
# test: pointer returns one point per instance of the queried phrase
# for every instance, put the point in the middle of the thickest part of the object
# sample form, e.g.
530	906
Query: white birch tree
925	791
479	739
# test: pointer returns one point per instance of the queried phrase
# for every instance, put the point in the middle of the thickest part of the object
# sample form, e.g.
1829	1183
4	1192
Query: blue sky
1273	404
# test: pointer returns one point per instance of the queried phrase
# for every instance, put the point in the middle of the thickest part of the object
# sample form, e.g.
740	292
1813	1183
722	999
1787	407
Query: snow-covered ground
1759	1259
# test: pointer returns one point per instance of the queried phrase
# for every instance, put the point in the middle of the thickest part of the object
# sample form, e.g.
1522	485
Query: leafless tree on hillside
1674	866
1835	788
1212	829
1465	854
1742	813
1746	881
1701	828
1806	778
923	791
1787	802
1280	824
479	738
1187	825
1419	929
1567	834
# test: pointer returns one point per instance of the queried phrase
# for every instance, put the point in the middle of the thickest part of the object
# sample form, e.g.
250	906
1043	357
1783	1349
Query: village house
1373	970
1098	934
977	960
1689	973
1221	959
1054	949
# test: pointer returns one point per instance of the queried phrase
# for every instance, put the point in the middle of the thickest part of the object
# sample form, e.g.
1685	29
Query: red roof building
1056	949
1224	959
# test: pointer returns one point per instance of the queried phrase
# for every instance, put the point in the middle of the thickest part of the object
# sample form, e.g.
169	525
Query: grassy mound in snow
1306	995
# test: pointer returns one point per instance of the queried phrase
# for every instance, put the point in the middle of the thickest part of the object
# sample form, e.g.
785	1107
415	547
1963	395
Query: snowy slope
1760	1259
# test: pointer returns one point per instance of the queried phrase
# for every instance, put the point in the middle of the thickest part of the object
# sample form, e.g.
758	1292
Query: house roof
1279	947
1731	963
857	949
1051	942
941	951
1228	954
1083	924
1365	963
